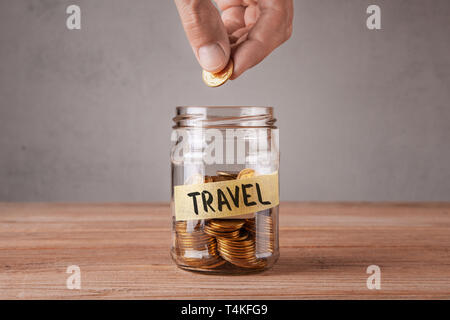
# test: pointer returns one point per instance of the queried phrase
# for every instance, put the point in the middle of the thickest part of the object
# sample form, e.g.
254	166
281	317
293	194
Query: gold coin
218	78
248	254
246	173
233	234
190	244
202	263
195	245
227	224
232	257
238	251
231	174
195	225
222	178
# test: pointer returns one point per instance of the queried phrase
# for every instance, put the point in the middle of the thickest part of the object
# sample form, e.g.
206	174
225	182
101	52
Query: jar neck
224	117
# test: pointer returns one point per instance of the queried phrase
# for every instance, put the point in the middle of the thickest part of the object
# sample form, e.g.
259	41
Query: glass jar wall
224	200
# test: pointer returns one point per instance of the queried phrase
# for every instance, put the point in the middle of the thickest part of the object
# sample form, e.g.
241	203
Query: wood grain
123	253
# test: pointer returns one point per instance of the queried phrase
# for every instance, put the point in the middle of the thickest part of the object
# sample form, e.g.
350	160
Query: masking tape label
226	198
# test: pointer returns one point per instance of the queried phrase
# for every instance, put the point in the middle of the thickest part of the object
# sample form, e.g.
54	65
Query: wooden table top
123	253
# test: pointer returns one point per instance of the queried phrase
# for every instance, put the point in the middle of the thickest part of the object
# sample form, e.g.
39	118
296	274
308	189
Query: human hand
247	30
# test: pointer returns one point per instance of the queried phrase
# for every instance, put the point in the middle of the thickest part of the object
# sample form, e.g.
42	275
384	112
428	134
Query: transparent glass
212	144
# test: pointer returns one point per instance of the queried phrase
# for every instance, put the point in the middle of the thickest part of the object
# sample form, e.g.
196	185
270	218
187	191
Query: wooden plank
123	253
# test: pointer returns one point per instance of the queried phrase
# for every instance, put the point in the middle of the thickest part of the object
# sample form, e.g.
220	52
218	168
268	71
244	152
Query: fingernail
212	57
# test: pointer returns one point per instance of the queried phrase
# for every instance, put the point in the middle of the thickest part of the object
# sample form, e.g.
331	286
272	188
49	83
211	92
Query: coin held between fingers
218	78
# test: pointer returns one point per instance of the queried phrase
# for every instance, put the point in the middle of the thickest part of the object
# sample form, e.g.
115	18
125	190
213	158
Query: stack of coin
234	243
261	227
195	248
240	252
224	228
224	176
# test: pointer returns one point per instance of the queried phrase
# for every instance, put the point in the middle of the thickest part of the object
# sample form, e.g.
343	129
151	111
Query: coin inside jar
246	173
227	224
194	247
241	253
230	174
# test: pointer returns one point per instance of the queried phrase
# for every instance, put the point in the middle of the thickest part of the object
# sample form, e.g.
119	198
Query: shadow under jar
225	193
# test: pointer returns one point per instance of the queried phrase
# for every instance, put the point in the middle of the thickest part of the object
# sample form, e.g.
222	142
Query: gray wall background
86	115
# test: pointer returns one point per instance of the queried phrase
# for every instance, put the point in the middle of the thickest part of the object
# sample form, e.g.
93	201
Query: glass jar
225	193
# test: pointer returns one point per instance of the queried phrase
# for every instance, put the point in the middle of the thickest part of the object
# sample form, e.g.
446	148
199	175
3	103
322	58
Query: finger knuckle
193	5
193	11
286	30
284	33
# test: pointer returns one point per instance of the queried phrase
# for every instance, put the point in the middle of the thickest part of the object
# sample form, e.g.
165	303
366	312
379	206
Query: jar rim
224	117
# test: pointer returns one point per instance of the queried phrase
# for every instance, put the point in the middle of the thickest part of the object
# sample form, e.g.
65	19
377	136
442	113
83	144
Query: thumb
206	33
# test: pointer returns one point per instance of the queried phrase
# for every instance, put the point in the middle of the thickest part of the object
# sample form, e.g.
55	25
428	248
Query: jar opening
224	117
